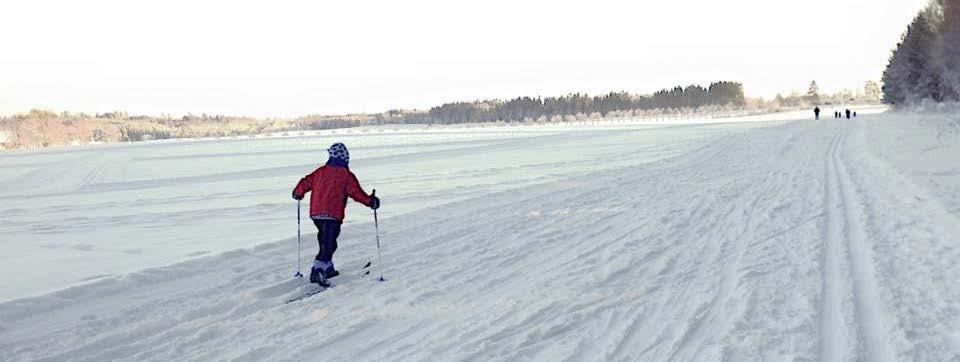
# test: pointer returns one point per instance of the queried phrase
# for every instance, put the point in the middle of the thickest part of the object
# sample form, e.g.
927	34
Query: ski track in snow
788	242
845	236
833	338
871	328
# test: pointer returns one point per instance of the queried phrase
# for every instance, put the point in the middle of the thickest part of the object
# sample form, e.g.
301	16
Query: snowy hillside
775	240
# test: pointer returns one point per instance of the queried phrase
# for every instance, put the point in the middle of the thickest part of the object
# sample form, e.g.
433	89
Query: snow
112	209
750	239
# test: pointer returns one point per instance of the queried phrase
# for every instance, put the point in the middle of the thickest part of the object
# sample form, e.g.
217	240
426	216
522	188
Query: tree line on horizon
925	65
40	128
533	108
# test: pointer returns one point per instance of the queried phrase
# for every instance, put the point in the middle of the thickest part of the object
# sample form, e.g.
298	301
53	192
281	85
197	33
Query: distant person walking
816	113
848	114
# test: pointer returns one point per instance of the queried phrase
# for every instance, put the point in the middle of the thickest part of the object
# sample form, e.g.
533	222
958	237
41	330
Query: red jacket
330	186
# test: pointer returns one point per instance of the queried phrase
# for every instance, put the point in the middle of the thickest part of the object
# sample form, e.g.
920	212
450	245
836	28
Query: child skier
330	185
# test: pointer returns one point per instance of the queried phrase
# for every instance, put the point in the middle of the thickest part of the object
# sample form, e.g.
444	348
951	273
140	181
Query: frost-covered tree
813	93
894	77
871	91
947	50
924	65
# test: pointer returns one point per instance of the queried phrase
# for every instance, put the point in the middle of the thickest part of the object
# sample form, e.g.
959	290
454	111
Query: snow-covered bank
777	241
925	146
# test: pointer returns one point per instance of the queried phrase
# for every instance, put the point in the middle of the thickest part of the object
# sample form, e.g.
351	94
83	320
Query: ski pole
376	224
298	274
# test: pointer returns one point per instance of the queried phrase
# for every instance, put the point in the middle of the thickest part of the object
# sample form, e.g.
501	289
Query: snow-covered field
113	209
749	240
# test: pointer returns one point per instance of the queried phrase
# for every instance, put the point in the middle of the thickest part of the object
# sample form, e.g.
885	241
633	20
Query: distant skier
854	114
816	113
848	113
329	186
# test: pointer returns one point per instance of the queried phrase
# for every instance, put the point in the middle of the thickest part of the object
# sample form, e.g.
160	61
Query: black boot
317	276
330	272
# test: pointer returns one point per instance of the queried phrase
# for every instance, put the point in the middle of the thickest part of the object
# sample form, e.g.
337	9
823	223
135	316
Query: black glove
297	197
374	202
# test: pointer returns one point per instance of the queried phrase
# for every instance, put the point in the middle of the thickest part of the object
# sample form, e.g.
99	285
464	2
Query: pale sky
288	58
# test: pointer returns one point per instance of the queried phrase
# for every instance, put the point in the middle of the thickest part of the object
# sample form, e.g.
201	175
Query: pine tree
948	50
925	65
813	93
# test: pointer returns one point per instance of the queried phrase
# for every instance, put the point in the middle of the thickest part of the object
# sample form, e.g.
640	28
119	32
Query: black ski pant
327	233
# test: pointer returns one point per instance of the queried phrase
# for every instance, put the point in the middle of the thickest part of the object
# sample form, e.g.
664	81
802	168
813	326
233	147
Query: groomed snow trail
832	333
790	242
845	232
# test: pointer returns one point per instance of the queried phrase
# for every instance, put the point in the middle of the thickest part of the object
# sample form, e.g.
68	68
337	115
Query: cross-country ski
315	290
